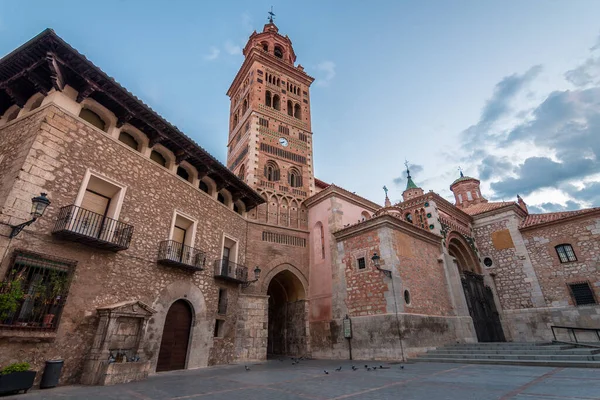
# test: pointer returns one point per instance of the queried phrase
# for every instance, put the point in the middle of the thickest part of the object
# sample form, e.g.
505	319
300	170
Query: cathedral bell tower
270	137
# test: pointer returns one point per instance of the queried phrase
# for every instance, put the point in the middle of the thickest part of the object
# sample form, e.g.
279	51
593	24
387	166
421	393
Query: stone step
538	363
491	344
571	351
490	356
506	347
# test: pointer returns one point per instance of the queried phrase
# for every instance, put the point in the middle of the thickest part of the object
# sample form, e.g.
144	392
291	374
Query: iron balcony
230	271
177	254
84	226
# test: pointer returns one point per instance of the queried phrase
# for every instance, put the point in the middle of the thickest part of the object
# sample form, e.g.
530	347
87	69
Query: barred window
34	291
582	293
263	122
565	253
361	263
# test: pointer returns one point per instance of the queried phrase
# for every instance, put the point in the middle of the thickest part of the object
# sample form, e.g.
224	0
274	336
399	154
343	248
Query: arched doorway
479	296
287	315
175	337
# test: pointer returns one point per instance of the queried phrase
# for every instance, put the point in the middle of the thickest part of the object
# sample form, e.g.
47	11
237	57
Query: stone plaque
502	240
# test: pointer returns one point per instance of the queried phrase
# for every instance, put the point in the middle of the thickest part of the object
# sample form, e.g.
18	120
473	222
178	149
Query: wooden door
175	338
482	309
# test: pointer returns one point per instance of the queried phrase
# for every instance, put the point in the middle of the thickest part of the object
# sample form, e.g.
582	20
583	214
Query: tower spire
409	182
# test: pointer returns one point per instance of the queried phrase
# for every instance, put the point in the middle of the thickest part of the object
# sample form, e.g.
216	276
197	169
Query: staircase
537	354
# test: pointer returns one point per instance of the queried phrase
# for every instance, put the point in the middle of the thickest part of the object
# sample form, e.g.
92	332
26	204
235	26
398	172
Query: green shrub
16	367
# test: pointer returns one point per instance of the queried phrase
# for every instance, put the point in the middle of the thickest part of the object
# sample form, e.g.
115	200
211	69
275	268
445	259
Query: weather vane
406	165
385	189
271	15
460	170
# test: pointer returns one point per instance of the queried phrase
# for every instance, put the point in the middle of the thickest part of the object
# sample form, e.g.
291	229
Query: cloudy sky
507	90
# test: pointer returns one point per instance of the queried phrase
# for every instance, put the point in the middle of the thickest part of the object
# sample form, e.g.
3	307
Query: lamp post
38	207
376	263
257	271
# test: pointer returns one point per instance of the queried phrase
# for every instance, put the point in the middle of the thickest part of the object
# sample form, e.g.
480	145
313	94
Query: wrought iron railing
95	229
174	253
229	270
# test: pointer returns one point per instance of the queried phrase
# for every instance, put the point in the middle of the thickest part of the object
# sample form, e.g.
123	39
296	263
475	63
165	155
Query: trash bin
51	374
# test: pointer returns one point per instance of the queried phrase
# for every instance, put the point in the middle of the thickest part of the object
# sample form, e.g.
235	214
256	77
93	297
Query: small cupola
466	191
411	190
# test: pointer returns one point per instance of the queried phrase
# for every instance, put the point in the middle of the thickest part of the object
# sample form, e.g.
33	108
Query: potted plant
11	295
16	377
56	287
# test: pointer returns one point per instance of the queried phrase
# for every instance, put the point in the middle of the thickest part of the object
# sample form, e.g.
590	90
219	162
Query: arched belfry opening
479	296
287	315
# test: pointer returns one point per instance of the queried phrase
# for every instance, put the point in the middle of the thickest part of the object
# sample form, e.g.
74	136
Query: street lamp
376	260
257	271
38	206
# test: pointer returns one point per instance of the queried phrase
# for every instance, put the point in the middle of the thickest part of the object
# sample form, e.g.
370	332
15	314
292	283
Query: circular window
487	262
407	296
428	215
426	204
431	226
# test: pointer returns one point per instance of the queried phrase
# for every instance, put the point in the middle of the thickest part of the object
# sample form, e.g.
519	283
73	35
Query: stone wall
70	147
583	234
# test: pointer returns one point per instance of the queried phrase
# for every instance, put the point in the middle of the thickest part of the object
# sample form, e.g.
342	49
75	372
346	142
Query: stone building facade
154	256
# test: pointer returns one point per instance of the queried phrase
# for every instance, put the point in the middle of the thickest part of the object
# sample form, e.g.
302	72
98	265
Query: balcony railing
231	271
177	254
81	225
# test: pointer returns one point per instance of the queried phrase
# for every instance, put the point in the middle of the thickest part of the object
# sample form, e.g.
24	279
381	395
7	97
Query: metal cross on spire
271	15
385	189
460	170
407	170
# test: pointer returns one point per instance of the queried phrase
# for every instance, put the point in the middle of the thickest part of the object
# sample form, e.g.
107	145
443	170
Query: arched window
158	158
245	106
36	103
13	114
129	140
278	82
235	119
268	98
364	216
290	108
265	47
297	111
203	186
294	178
88	115
278	52
242	172
182	172
276	102
221	198
408	217
272	171
565	253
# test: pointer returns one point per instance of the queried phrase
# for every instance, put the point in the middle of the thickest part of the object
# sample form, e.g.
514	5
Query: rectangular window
259	80
284	130
219	323
303	137
565	253
181	240
469	196
582	293
263	122
222	305
34	291
361	263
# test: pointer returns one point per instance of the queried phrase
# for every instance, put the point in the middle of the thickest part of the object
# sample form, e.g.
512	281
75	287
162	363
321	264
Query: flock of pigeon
296	361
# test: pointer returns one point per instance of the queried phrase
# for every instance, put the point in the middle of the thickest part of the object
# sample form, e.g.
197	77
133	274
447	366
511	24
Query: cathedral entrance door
482	308
287	316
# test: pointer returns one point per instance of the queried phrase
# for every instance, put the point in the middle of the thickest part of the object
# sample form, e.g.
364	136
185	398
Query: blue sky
508	90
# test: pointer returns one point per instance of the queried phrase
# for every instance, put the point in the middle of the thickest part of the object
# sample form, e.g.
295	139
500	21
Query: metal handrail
89	224
173	251
573	329
228	269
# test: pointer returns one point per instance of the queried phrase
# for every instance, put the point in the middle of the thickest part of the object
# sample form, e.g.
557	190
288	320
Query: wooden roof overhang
47	62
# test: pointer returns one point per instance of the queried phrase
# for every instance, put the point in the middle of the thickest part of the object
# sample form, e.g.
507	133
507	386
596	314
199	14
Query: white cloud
213	54
327	73
232	48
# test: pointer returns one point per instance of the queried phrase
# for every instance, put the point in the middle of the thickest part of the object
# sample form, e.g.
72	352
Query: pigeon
247	369
382	367
368	369
366	366
374	368
293	363
402	367
326	373
339	369
354	368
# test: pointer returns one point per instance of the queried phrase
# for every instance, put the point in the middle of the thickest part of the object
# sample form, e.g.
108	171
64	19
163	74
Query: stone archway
175	337
287	315
479	296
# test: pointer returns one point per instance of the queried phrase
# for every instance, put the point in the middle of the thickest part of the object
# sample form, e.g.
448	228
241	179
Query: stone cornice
390	221
333	190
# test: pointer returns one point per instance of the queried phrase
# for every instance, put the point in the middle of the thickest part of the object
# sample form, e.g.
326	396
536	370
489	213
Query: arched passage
287	315
479	296
175	338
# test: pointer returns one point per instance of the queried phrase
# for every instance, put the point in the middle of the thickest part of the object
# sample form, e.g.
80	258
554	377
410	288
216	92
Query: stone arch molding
200	337
278	265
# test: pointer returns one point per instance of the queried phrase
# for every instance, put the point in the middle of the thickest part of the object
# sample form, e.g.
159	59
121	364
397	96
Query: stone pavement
282	380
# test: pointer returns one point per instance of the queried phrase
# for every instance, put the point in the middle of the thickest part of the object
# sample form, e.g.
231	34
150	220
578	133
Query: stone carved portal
115	354
287	316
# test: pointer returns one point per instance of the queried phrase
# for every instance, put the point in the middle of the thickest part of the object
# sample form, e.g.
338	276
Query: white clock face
283	142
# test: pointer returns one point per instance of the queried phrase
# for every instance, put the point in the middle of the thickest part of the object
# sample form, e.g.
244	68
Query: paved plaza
307	380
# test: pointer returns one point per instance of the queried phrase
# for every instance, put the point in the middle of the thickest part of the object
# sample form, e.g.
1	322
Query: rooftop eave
593	213
509	207
333	190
